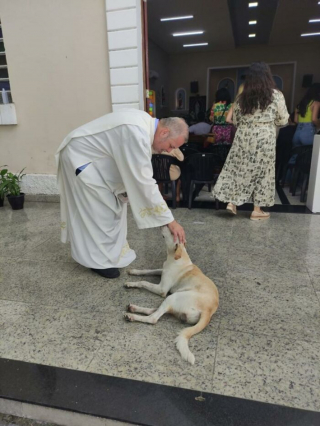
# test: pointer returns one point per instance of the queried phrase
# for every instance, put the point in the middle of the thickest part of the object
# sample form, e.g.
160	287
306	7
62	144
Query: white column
313	200
124	23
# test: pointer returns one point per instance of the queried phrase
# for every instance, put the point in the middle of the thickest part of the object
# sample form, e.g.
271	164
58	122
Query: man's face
161	141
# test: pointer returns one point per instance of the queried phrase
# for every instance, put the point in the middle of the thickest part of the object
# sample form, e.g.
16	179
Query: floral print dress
249	170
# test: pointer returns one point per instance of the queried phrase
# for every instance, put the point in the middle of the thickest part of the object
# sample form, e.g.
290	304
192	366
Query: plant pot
16	201
1	202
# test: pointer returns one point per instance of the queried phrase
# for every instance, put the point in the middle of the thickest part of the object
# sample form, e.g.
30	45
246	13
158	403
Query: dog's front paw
129	285
128	317
133	272
130	308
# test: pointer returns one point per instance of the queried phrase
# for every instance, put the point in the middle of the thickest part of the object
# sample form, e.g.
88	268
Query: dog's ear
178	252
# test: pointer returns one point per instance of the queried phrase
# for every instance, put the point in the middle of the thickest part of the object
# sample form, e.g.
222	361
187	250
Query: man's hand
178	232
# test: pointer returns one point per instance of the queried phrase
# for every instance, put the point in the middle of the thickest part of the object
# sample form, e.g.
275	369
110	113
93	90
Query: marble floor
263	344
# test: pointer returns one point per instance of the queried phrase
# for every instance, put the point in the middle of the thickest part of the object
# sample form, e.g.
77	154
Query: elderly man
101	166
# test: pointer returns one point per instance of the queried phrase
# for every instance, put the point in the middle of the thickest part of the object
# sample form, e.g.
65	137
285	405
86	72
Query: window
4	76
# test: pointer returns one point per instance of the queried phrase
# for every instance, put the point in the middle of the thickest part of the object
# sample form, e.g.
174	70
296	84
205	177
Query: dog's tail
183	339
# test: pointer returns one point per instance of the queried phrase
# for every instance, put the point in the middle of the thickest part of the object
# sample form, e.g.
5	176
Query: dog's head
172	247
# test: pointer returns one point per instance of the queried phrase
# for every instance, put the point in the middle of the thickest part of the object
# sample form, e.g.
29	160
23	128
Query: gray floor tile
51	249
147	352
313	263
267	369
10	312
315	279
34	282
248	307
17	244
62	338
265	259
302	221
269	282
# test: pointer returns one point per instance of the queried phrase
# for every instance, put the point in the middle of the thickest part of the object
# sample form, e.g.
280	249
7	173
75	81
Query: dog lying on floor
194	297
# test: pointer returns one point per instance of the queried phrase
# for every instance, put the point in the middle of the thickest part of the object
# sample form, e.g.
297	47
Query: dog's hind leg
145	272
153	318
139	309
154	288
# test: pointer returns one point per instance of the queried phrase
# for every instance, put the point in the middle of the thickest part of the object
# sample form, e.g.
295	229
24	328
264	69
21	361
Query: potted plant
12	184
3	189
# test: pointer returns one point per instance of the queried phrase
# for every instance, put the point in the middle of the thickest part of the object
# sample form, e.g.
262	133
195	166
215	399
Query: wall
216	76
124	23
158	62
193	66
58	65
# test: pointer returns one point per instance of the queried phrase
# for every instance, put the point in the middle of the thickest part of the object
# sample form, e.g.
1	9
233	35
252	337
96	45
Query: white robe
93	212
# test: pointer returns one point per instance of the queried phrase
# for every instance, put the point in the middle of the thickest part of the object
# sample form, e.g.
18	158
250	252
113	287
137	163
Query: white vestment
93	211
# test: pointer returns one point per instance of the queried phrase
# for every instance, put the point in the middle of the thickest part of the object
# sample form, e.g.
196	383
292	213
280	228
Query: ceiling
225	23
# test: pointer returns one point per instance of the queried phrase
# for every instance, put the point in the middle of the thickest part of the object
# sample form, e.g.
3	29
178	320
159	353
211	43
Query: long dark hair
258	88
223	95
312	94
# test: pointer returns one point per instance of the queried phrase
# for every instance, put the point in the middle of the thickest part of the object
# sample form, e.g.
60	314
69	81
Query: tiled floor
263	343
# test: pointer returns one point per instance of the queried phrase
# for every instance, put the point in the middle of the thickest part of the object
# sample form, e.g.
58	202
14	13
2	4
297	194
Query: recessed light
177	18
252	35
253	4
309	34
197	44
186	34
252	22
314	20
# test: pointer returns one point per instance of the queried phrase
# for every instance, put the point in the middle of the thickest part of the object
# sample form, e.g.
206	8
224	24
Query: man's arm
132	156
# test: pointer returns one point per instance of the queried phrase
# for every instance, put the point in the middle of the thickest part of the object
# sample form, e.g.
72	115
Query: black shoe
107	273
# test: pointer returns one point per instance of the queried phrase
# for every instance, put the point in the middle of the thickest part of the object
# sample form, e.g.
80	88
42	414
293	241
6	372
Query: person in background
201	128
174	172
306	116
220	108
249	170
287	132
223	132
284	145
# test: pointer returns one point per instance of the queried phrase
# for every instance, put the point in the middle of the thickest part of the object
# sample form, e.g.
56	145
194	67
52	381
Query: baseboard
39	184
51	198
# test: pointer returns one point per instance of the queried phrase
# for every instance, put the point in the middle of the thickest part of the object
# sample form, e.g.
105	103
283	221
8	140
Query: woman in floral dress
249	170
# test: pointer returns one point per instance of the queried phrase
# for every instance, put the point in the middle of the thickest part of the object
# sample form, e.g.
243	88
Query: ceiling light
198	44
252	22
309	34
253	4
177	18
186	34
314	20
252	35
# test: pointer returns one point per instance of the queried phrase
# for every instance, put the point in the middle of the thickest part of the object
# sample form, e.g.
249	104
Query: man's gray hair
177	127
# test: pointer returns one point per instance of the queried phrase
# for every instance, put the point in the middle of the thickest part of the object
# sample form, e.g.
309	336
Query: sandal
260	215
232	208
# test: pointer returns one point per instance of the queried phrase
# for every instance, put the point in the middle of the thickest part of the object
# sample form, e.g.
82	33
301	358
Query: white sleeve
282	115
132	154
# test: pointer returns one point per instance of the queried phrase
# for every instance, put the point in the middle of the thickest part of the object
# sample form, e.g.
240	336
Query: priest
103	165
